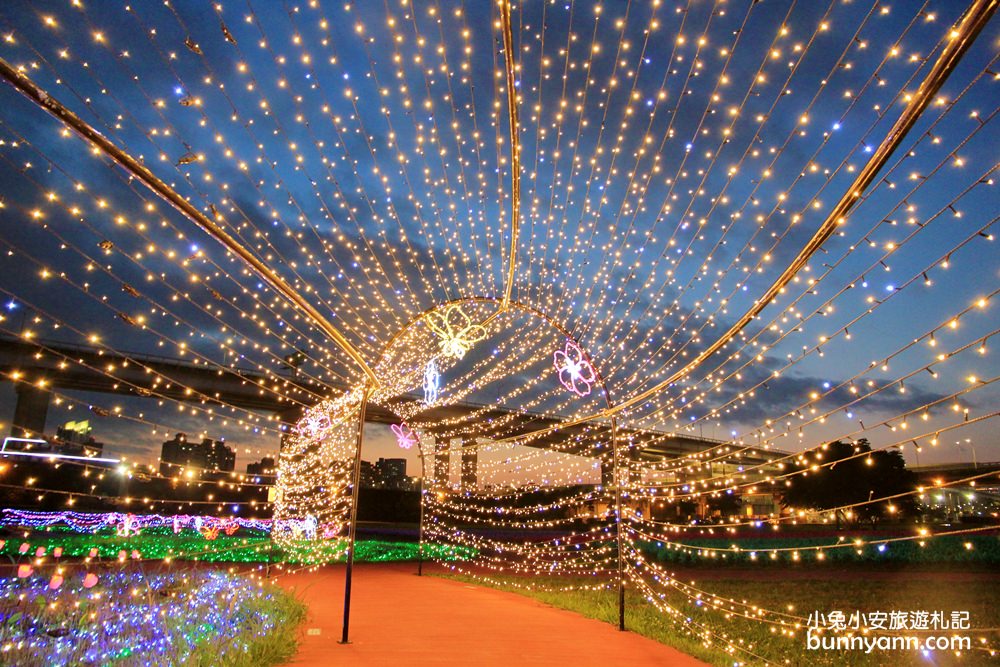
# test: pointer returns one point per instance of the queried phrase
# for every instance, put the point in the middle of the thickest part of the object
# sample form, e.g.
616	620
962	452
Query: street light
968	441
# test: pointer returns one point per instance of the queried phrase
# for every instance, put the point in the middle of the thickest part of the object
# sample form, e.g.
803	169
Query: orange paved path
398	618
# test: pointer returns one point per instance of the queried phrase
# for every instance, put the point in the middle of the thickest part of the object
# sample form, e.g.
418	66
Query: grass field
225	548
848	547
829	590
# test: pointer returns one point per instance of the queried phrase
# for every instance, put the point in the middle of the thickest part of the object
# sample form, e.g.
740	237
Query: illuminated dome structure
592	262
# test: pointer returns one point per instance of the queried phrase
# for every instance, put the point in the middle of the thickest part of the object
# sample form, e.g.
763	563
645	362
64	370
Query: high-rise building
218	455
263	471
204	457
368	475
76	438
391	473
179	453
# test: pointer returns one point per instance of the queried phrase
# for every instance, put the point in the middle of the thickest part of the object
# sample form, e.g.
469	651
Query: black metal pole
420	524
618	525
270	553
353	526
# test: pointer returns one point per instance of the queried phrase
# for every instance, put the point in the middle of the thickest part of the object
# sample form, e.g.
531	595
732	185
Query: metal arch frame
353	526
515	150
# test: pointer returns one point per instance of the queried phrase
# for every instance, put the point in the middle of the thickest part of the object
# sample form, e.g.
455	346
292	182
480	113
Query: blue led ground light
133	617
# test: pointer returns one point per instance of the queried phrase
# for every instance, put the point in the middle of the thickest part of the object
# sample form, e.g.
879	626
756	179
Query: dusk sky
674	158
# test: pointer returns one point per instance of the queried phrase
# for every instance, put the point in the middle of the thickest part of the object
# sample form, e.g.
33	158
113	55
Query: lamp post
420	524
968	441
353	527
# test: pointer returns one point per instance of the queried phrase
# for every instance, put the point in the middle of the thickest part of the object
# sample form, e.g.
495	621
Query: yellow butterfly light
455	330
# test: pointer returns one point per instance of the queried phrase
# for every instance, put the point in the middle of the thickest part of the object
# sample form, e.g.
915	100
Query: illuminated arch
314	481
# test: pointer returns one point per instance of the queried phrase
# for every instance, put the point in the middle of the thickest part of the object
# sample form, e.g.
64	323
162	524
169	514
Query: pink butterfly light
405	437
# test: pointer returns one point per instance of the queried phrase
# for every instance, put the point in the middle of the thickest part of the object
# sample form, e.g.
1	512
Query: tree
853	474
686	508
727	504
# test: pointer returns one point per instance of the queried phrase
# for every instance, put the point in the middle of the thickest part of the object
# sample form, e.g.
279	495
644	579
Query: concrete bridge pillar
607	472
470	464
632	460
627	473
30	411
702	506
289	417
442	461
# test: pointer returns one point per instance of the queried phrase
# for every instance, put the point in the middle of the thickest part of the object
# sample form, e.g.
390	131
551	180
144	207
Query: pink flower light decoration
405	437
23	548
90	580
575	372
24	571
57	552
55	582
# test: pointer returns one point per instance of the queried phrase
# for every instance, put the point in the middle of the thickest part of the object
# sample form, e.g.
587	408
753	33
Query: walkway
398	618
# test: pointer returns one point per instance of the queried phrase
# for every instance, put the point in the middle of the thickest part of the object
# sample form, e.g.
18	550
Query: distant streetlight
968	441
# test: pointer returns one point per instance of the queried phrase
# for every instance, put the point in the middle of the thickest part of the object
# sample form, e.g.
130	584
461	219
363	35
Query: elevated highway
38	367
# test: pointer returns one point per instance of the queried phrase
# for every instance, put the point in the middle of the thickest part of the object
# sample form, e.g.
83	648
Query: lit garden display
126	524
153	538
634	285
153	547
131	617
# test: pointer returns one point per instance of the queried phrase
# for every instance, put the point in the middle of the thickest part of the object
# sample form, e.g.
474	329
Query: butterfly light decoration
405	437
455	331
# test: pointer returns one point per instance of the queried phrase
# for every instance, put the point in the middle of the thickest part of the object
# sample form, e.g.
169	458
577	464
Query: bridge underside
44	366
